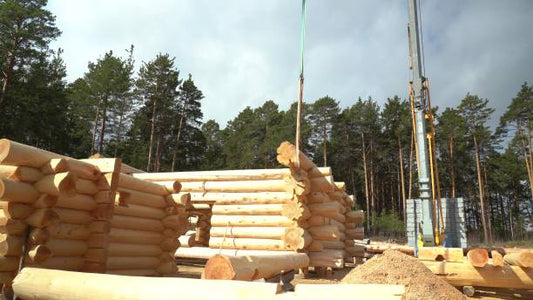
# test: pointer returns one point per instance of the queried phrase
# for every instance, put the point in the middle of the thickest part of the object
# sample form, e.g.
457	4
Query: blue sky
242	53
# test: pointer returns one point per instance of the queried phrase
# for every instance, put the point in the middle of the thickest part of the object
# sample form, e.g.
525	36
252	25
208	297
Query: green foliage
388	224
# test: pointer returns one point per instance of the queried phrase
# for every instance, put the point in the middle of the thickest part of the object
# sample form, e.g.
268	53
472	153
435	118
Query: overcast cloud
242	53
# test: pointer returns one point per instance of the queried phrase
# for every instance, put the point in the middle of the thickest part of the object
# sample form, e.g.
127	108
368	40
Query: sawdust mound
393	267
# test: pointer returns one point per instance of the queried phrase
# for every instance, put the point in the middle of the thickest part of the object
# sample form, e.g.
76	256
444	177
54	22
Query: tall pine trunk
372	190
325	136
8	72
152	131
178	139
481	196
102	129
95	128
363	150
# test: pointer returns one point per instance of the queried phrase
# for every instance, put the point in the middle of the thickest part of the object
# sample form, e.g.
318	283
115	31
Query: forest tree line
152	118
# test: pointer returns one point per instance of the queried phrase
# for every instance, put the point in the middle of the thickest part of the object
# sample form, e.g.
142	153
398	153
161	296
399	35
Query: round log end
219	267
5	146
176	186
478	257
526	259
67	183
294	237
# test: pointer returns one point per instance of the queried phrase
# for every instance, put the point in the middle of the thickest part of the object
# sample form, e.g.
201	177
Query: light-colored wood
20	192
333	244
315	246
355	216
325	232
42	217
522	259
318	197
99	226
222	175
39	236
206	253
251	268
327	209
461	274
227	220
74	216
249	244
12	227
322	184
38	254
56	184
34	283
130	236
187	240
497	258
120	249
287	157
45	201
102	212
340	185
127	222
16	211
478	257
132	183
236	186
84	170
381	247
16	154
69	231
55	165
65	247
321	220
77	201
356	250
140	211
69	263
332	258
129	196
132	262
345	291
440	254
250	232
129	169
181	199
20	173
355	233
134	272
85	186
291	210
244	198
9	263
105	165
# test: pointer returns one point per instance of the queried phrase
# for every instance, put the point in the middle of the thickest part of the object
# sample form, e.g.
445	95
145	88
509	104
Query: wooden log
83	169
167	268
237	186
118	235
325	232
440	254
57	184
128	196
340	291
97	240
340	185
140	211
327	209
127	222
318	197
380	248
55	165
9	263
478	257
246	221
42	217
187	240
74	216
34	283
355	216
20	192
122	250
244	198
251	232
134	272
69	231
315	246
96	255
11	227
321	220
131	262
523	259
461	274
64	247
249	244
172	221
355	233
38	254
16	154
333	244
132	183
356	251
99	226
105	197
106	165
322	184
39	236
206	253
16	211
180	199
87	187
77	201
222	175
497	258
69	263
291	210
251	268
170	244
20	173
287	157
331	258
45	201
6	277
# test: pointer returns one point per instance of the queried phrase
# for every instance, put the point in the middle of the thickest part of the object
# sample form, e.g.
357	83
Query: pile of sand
393	267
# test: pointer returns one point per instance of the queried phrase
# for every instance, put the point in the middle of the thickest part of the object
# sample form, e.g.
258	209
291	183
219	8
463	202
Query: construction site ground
194	270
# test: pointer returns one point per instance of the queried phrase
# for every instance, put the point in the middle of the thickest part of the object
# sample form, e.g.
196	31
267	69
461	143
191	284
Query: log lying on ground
461	274
249	244
478	257
244	198
522	259
34	283
440	254
249	268
497	258
228	220
206	253
380	248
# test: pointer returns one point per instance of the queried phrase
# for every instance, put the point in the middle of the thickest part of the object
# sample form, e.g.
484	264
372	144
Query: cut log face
478	257
497	258
57	184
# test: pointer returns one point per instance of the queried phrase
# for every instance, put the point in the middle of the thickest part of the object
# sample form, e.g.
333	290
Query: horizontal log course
229	220
45	201
66	247
38	236
169	244
327	209
10	226
355	233
244	198
99	226
20	192
16	154
87	187
98	240
141	211
356	250
9	263
325	232
135	223
249	244
122	249
315	246
252	232
321	220
322	184
68	263
355	216
238	186
130	236
206	253
132	183
34	283
172	222
522	259
77	201
291	210
332	258
74	216
222	175
180	199
318	197
20	173
16	211
10	245
332	244
129	196
131	262
249	268
57	184
462	274
38	254
440	254
187	240
96	255
43	217
478	257
105	165
83	169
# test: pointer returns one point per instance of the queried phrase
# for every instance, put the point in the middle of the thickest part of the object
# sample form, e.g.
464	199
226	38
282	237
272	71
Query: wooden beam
206	253
440	254
249	244
243	198
521	259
